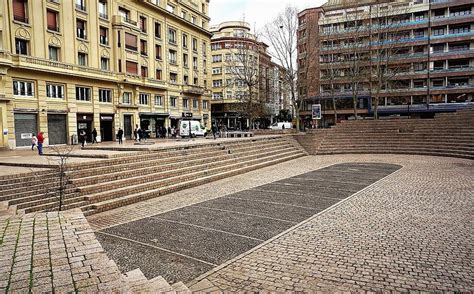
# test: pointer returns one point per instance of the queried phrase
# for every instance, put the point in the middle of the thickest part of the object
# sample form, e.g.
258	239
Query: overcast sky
256	12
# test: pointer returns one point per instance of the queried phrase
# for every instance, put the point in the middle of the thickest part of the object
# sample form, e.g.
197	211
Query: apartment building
239	58
426	65
67	66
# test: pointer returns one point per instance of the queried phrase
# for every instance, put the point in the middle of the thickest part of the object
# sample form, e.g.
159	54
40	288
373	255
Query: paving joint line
271	202
282	192
249	214
156	247
207	228
297	226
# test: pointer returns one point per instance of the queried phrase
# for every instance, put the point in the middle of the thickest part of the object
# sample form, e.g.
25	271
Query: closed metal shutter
25	126
57	130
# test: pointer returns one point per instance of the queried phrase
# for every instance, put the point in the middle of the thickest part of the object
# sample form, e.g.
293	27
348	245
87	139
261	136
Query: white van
196	128
281	126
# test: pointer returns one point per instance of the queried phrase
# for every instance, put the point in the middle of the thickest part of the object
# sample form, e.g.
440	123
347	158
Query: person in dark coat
169	132
94	136
82	137
120	136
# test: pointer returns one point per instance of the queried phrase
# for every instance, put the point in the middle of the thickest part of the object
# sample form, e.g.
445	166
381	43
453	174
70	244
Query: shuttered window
130	41
103	36
132	67
19	10
52	20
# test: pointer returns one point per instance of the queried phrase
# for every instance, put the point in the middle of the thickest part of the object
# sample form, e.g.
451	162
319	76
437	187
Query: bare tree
60	156
243	66
281	34
387	31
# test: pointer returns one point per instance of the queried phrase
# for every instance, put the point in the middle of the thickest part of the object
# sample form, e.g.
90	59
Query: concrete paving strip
220	229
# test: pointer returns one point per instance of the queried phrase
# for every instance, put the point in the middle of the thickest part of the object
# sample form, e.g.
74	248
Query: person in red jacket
40	143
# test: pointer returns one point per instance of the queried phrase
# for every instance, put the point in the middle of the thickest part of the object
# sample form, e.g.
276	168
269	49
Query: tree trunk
335	110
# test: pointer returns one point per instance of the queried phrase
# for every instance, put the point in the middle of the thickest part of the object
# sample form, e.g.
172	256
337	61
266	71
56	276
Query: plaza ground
411	230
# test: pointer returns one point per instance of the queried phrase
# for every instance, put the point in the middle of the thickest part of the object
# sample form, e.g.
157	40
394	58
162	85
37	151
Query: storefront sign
106	117
316	111
82	126
187	114
26	135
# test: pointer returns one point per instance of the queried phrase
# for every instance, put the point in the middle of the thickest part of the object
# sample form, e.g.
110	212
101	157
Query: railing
60	65
81	7
103	15
129	21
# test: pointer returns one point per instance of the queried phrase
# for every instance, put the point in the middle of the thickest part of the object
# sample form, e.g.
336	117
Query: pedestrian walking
136	133
34	141
214	131
40	138
120	135
94	136
82	137
169	132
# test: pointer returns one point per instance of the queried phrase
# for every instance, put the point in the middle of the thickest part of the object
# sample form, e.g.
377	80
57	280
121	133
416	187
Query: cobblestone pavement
52	252
413	230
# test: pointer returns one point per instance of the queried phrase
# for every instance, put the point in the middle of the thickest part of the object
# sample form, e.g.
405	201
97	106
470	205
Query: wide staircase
110	183
448	134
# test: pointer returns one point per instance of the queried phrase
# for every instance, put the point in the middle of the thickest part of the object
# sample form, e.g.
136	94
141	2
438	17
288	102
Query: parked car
281	126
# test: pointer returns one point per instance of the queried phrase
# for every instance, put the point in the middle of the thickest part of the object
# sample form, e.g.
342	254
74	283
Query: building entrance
107	127
25	126
127	126
57	130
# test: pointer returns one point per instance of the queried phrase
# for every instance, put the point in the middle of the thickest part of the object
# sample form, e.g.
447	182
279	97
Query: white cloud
255	12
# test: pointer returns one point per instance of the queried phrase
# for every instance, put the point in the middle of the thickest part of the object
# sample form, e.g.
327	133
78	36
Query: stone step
410	152
181	288
161	161
170	152
160	285
133	198
351	144
30	179
146	186
162	173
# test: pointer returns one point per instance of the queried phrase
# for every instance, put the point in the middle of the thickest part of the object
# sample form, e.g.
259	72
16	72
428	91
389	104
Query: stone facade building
232	47
77	65
404	57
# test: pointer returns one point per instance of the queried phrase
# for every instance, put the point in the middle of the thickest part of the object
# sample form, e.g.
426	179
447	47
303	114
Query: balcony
81	7
125	21
189	89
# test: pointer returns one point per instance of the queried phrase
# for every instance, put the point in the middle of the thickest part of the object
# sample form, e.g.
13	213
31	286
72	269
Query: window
81	29
185	41
158	52
195	81
55	91
158	74
217	83
173	77
103	9
194	19
52	20
217	70
23	88
81	5
143	98
143	24
143	48
172	56
53	53
217	58
20	12
130	42
204	46
105	95
217	95
82	59
124	13
158	100
205	104
127	98
195	103
185	103
173	101
131	67
195	44
186	79
185	60
172	36
438	31
144	71
158	30
21	46
170	8
103	36
83	94
195	63
183	14
104	63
